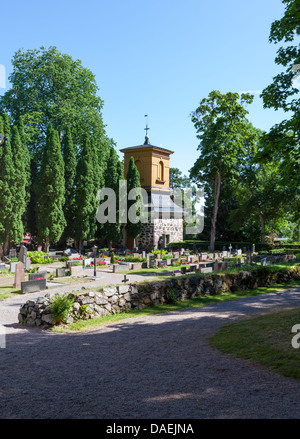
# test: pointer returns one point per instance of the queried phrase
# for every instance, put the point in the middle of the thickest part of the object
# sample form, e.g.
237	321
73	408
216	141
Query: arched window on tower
160	171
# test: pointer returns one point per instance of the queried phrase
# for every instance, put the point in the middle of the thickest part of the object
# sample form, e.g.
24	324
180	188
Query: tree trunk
6	246
262	227
261	218
217	189
47	245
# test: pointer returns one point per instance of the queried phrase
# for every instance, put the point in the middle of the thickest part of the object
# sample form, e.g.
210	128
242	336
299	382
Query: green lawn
265	340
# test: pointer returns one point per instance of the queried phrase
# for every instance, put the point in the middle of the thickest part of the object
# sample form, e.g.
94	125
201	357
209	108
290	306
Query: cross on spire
146	129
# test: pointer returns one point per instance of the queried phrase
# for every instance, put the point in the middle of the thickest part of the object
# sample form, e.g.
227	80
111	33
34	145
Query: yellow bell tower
152	163
166	225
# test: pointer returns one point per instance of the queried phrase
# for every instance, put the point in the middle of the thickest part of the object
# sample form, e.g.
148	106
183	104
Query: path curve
155	367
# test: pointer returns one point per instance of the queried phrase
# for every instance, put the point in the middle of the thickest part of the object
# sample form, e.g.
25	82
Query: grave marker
150	260
38	275
19	274
32	286
60	272
22	254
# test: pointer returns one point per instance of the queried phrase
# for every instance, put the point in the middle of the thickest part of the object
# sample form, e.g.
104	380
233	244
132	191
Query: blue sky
159	58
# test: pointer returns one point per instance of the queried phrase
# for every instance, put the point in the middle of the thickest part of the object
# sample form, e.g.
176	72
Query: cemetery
184	272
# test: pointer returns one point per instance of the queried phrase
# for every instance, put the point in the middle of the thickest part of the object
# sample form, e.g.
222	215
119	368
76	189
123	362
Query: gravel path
155	367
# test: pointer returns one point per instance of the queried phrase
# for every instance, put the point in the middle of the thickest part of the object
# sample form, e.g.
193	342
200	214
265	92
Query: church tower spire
147	142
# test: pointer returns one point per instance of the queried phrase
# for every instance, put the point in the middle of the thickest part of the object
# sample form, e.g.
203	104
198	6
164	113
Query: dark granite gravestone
150	261
38	275
22	256
32	286
160	263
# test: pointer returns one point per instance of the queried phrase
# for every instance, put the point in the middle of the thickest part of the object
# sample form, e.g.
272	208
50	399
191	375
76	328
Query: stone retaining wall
116	299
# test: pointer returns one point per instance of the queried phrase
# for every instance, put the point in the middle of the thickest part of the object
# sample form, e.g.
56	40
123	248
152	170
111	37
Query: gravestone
2	267
22	256
87	261
160	263
216	266
27	264
60	272
168	261
239	252
12	253
19	274
13	267
120	267
76	270
150	260
32	286
38	275
136	265
193	267
175	255
183	270
206	270
203	256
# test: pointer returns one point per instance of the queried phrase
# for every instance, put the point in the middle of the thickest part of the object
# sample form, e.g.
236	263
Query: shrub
35	253
171	297
64	259
61	306
41	260
129	258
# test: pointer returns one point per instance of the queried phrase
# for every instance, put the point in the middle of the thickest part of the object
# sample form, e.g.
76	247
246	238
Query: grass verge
196	302
264	340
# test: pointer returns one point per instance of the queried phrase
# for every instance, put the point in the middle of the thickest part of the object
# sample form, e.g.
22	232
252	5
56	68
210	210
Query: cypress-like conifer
50	192
133	181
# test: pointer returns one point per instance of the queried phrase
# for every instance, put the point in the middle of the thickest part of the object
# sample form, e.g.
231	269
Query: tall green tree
70	163
222	127
84	219
177	180
6	187
111	231
50	192
18	186
282	142
47	85
135	207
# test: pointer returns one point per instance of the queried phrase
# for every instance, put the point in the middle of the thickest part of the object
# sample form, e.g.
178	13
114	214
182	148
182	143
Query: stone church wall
160	231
